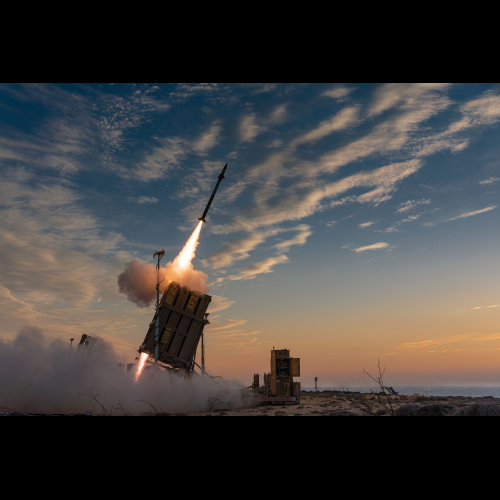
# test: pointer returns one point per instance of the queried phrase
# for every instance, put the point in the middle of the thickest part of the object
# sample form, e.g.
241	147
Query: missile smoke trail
183	260
138	281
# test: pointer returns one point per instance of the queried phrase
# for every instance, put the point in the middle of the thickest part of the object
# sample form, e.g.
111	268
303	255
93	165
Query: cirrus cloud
375	246
472	214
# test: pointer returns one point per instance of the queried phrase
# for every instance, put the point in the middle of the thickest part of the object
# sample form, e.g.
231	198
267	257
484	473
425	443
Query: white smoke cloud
38	376
138	281
190	277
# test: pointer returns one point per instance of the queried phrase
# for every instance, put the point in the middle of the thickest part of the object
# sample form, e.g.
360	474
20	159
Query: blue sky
354	219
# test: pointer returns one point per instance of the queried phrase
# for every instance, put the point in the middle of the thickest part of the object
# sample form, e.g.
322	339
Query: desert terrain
346	404
339	404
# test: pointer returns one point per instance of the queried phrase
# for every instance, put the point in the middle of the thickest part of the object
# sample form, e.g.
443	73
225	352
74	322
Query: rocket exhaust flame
140	365
183	260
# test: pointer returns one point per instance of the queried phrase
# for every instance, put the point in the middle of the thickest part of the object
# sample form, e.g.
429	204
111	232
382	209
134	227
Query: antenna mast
160	254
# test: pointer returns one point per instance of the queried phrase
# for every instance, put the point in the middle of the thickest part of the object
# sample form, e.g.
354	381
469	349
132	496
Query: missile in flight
221	176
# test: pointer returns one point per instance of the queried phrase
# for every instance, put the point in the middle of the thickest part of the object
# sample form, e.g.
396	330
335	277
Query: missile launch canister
221	176
182	317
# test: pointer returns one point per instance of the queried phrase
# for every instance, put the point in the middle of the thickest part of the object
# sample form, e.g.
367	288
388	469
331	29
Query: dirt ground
337	404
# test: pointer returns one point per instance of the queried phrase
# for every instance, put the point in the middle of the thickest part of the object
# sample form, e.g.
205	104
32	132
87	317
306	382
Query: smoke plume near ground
41	376
138	280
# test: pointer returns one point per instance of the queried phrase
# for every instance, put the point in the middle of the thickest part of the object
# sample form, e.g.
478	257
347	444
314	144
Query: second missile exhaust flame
140	365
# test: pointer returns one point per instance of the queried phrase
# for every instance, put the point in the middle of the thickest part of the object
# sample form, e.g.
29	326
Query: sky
356	222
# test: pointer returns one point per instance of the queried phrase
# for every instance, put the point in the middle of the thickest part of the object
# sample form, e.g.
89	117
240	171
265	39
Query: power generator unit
182	314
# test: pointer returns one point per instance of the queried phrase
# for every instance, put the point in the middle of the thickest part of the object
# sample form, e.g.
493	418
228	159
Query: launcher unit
182	317
279	387
86	345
